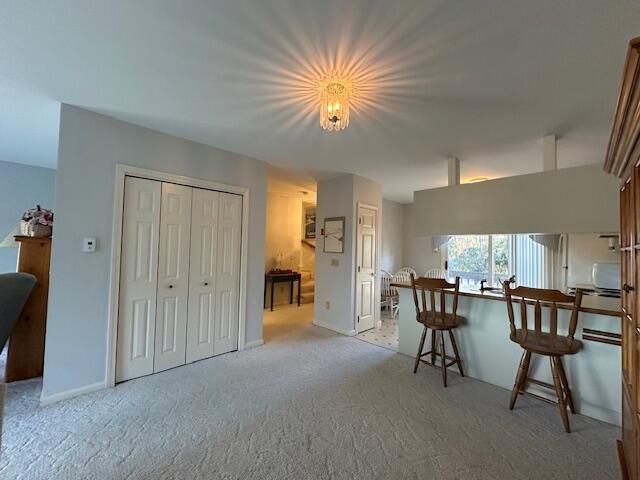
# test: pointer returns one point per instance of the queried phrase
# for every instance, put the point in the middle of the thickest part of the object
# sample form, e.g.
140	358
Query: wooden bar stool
547	343
437	322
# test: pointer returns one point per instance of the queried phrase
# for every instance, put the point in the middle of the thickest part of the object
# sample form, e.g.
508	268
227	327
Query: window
468	258
495	258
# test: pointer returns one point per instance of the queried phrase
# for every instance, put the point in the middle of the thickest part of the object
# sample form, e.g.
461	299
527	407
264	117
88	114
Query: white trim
376	288
253	344
349	333
74	392
116	252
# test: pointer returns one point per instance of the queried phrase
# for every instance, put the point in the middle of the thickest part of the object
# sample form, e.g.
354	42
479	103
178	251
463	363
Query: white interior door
173	277
202	274
228	273
366	269
138	278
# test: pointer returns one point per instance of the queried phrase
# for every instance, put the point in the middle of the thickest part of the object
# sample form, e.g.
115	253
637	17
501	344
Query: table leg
299	281
291	292
272	289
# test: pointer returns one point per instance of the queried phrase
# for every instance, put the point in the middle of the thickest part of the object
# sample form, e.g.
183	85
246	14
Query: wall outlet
89	244
327	305
335	262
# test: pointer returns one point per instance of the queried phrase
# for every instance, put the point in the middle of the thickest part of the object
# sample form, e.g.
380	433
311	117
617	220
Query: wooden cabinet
25	356
623	158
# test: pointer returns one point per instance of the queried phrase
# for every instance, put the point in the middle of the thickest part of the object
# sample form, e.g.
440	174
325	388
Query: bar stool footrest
540	383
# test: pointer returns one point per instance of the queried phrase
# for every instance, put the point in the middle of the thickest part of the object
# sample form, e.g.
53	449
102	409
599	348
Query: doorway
366	268
290	249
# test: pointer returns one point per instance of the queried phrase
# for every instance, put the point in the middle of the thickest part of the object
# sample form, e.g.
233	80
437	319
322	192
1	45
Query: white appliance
606	276
580	252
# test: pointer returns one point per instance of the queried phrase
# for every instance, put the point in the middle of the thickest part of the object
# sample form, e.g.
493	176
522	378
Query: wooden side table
25	356
274	278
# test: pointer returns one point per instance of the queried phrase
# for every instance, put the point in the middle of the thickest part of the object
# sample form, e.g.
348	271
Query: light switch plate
89	244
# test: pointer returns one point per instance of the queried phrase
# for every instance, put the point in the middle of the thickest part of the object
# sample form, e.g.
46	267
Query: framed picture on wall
334	235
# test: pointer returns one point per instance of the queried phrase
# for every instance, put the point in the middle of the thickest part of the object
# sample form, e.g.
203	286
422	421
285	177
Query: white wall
90	146
393	236
571	200
283	231
338	197
335	284
21	187
417	250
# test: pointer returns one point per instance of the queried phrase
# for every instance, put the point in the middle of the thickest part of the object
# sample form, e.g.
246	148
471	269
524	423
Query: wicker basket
35	230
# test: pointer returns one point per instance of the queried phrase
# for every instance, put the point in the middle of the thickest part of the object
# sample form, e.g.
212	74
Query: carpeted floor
309	404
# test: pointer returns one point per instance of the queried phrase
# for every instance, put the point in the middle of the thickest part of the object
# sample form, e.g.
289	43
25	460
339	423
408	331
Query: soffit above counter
572	200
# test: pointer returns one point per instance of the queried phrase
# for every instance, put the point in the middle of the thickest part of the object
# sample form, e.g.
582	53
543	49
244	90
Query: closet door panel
228	273
138	278
202	276
173	276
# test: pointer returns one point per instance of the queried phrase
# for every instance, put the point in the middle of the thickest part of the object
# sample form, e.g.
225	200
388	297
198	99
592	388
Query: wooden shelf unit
25	355
622	160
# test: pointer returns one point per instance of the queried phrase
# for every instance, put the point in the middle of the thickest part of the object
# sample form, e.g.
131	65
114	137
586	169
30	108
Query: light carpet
309	404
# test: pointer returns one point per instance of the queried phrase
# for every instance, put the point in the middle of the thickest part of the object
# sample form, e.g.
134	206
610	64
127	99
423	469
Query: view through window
495	258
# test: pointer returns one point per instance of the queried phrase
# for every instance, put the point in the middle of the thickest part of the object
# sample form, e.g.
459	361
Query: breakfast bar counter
489	355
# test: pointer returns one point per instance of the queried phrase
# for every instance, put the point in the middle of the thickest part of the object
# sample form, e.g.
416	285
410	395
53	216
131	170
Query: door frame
376	318
122	171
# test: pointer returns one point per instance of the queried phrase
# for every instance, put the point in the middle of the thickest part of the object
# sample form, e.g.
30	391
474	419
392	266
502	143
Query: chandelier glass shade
334	105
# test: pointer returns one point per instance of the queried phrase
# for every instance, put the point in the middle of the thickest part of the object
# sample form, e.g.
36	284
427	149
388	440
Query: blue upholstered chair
15	289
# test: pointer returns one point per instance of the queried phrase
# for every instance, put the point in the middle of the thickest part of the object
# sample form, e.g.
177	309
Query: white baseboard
349	333
254	344
74	392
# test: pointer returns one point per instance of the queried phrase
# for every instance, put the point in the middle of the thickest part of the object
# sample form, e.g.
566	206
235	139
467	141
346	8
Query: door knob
206	284
627	288
170	286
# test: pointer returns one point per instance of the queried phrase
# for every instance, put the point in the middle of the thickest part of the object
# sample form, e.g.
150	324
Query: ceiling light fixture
334	104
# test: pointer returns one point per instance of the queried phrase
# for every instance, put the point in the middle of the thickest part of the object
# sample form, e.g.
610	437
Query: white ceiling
481	80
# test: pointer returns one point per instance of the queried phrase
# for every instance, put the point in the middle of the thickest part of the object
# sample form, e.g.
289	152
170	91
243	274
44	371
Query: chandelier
334	104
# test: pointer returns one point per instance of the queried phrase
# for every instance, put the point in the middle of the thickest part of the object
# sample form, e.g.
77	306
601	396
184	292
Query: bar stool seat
447	323
544	344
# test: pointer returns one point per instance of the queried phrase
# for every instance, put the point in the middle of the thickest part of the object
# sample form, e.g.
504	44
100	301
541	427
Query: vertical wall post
549	153
453	165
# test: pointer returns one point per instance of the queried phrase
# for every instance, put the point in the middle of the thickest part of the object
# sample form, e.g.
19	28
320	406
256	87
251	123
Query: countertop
590	303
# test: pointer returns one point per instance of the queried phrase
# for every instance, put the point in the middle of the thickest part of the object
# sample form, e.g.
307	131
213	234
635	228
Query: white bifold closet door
173	277
225	331
179	276
202	294
138	278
